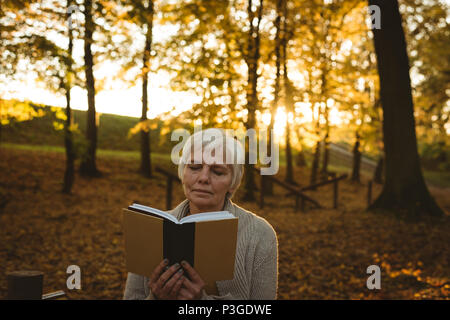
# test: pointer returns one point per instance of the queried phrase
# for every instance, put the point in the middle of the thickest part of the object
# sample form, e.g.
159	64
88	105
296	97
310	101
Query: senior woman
208	185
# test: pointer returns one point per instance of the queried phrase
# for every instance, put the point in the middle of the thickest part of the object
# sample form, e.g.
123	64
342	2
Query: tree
268	185
52	63
146	165
141	14
288	89
427	30
69	174
99	19
15	44
88	165
323	27
356	160
404	189
252	59
204	58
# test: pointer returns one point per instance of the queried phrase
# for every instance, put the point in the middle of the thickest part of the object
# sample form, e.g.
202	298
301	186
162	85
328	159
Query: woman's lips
202	191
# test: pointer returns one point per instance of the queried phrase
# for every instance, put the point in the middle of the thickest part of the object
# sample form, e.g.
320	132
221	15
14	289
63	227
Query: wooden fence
170	178
300	197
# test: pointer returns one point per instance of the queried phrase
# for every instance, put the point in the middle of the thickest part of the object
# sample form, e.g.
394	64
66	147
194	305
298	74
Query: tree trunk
288	100
315	164
289	160
252	98
326	139
88	166
326	154
69	175
356	161
300	160
146	165
325	60
378	174
404	191
289	163
268	185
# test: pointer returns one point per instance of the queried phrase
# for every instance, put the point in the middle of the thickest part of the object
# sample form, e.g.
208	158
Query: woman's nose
204	174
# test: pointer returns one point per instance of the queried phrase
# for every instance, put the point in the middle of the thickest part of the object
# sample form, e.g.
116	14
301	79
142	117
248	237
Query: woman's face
205	186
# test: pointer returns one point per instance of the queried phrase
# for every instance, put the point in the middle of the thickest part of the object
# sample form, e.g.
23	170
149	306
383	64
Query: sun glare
124	101
280	122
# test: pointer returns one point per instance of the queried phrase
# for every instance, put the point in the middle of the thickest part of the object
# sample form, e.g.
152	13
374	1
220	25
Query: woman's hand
192	288
165	284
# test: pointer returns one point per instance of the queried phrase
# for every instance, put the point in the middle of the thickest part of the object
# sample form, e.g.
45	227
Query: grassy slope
112	133
113	140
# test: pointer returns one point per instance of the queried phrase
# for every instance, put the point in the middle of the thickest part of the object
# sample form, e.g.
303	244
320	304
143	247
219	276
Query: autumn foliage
323	253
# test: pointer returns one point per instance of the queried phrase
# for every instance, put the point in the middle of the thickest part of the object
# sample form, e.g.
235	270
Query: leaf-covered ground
323	253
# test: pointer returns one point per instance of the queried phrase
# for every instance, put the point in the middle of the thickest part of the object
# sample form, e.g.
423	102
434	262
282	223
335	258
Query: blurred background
91	91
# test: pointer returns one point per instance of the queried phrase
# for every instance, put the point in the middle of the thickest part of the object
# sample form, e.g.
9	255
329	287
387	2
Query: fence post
25	285
169	193
335	184
369	193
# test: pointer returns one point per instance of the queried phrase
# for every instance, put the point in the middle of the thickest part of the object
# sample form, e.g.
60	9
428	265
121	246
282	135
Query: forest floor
323	253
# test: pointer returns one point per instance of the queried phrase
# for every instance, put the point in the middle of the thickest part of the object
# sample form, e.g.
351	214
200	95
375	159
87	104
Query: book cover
206	240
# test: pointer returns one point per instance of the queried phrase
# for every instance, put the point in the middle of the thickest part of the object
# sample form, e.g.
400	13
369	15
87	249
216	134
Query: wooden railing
170	177
369	193
300	197
334	181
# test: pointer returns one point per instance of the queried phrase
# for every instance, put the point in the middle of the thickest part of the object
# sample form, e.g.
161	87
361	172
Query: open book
206	240
204	216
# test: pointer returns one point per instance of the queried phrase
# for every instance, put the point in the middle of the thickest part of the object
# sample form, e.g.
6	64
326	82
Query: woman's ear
230	192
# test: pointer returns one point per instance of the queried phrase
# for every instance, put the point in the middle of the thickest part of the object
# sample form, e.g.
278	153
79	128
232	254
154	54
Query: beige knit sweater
256	264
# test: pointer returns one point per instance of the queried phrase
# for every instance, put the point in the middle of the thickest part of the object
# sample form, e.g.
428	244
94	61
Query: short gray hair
213	139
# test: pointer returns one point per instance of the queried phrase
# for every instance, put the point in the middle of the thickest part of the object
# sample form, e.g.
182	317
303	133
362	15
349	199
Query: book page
154	211
207	216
